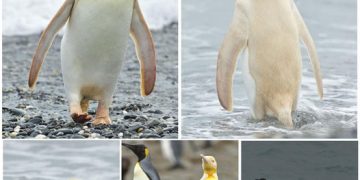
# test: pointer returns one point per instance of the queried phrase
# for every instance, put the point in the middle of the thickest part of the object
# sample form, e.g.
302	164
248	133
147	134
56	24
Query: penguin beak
204	158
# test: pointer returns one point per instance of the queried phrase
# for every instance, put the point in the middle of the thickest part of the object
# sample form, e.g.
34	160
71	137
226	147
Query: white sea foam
23	17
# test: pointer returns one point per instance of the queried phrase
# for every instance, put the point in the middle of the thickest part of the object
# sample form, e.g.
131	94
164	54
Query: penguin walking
92	52
173	152
269	34
144	169
209	166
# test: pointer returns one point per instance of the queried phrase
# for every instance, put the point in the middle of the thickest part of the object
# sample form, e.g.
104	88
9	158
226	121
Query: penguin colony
269	34
92	52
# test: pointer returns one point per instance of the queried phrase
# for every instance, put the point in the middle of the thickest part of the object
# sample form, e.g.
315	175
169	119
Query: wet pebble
136	128
15	111
130	117
40	136
150	136
36	120
154	123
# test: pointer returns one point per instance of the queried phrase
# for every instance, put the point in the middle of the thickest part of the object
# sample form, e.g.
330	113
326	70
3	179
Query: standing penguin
270	33
92	52
144	170
173	152
209	166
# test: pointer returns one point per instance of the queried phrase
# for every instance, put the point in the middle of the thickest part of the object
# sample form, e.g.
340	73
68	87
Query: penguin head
140	150
209	164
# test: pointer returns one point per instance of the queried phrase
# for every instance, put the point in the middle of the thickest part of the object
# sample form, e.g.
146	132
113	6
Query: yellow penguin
209	166
269	33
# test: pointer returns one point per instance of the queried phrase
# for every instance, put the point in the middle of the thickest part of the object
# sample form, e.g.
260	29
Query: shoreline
44	113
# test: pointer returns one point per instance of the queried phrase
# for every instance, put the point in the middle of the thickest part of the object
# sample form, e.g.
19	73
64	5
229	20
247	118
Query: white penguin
270	33
92	52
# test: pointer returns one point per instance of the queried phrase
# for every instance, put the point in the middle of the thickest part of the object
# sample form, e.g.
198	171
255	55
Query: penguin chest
207	177
95	41
139	174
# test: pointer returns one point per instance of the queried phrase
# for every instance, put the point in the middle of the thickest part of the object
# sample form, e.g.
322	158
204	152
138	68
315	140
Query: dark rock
130	117
153	123
166	117
96	131
35	133
101	126
155	111
70	124
14	111
76	136
7	129
150	136
136	128
36	120
76	130
108	135
13	120
63	131
142	119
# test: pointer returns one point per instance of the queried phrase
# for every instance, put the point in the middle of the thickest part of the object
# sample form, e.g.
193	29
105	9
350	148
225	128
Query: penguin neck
139	172
210	176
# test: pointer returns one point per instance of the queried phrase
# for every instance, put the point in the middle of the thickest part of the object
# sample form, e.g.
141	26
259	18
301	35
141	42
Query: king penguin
269	34
209	166
173	152
92	52
144	169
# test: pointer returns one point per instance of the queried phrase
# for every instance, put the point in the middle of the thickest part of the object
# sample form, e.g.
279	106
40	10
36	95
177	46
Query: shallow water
61	160
332	24
299	160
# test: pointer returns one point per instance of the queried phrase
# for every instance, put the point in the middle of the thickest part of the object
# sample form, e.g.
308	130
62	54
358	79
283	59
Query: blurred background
61	160
225	153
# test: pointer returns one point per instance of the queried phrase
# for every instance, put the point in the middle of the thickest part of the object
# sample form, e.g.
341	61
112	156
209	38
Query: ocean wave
31	16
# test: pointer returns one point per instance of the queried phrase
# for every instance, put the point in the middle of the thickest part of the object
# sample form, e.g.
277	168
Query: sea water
332	24
61	160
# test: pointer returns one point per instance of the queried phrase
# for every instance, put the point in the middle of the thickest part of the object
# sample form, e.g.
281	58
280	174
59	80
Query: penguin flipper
46	39
145	50
235	41
310	45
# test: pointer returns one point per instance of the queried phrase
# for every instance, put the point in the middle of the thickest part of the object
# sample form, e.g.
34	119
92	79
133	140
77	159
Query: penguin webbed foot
101	121
81	118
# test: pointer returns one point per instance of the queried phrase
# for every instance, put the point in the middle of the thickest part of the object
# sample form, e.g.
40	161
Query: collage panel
171	159
247	74
61	160
261	90
94	78
299	160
